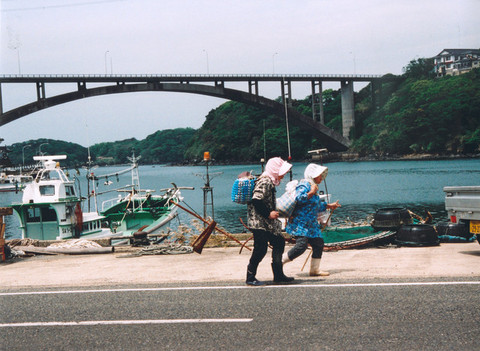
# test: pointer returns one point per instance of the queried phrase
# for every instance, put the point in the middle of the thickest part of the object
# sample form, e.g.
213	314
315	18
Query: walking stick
309	254
207	222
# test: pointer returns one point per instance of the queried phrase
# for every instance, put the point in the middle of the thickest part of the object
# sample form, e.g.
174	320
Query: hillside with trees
417	114
424	115
412	115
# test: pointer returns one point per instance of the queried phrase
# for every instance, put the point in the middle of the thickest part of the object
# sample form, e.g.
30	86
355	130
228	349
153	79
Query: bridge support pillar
348	111
253	87
317	102
41	91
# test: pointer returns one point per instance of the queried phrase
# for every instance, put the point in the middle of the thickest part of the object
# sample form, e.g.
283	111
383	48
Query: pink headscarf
275	168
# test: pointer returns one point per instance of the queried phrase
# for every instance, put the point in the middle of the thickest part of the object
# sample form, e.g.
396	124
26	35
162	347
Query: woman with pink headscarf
264	224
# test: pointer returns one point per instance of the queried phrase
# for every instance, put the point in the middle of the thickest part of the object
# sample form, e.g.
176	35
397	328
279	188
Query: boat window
43	214
50	175
69	191
33	215
47	190
49	214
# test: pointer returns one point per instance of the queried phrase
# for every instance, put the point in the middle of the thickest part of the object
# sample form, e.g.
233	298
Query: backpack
242	189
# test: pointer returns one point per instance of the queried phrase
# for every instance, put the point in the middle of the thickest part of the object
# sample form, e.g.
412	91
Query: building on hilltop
454	62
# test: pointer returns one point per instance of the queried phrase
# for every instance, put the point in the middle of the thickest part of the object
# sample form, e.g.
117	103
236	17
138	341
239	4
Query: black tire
391	218
453	229
417	235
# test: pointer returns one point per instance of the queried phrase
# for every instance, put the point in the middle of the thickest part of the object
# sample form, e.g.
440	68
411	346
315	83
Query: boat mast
135	178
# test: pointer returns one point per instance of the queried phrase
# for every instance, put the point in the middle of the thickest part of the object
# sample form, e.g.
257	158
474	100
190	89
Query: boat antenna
89	164
135	177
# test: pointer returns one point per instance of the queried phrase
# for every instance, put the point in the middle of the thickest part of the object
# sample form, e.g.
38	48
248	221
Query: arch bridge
212	85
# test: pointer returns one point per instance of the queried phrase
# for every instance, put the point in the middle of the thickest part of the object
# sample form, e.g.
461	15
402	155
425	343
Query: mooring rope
160	250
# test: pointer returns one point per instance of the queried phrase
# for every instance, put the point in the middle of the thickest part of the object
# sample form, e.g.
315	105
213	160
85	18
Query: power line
60	6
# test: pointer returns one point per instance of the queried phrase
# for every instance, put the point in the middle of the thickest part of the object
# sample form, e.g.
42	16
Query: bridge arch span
331	139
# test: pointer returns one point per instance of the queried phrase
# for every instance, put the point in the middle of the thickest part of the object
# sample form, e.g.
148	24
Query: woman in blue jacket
303	224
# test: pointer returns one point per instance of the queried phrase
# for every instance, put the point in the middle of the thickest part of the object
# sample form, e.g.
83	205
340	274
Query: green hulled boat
341	237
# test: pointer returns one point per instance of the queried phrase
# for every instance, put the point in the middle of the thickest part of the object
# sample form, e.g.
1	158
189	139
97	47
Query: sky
200	37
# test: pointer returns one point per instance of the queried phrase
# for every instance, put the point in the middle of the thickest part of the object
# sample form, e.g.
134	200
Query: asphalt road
374	315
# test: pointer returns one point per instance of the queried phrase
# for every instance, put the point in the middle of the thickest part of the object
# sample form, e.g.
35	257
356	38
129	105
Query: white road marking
120	322
289	286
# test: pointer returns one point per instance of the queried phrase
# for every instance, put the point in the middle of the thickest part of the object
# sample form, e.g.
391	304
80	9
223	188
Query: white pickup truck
463	205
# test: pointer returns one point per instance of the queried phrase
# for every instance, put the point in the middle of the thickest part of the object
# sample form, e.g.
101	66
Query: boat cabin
50	208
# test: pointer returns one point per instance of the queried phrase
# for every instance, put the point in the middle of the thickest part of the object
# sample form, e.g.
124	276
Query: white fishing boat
51	209
14	182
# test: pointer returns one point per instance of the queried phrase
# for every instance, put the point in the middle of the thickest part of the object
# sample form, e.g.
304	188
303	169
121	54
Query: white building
456	61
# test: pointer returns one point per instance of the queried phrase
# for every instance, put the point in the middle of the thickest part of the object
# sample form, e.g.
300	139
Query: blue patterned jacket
304	218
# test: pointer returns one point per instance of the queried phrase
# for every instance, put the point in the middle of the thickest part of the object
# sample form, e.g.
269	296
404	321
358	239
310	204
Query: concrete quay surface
449	260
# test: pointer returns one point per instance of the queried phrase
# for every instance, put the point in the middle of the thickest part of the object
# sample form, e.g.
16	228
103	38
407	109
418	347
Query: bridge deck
102	78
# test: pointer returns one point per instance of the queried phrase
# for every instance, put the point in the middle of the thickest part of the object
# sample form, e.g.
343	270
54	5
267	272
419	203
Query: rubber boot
315	268
285	258
278	275
251	280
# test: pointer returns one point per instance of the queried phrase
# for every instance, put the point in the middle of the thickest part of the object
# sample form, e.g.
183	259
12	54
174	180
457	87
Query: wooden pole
3	211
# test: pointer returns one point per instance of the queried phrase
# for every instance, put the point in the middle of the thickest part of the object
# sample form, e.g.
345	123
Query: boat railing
109	203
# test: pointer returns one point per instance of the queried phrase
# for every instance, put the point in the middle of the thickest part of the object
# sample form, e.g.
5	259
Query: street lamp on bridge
206	53
273	62
354	63
106	52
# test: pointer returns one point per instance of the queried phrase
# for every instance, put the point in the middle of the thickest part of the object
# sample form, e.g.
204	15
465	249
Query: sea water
361	188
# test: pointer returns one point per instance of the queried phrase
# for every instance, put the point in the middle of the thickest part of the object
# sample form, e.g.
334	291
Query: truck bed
463	205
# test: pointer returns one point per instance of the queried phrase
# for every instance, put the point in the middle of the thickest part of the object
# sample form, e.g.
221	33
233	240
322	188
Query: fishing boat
347	237
14	182
51	209
137	210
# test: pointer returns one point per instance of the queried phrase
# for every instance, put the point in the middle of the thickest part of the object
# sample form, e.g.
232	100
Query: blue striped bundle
242	190
286	204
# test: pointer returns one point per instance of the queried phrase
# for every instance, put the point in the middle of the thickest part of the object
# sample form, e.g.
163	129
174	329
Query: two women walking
303	225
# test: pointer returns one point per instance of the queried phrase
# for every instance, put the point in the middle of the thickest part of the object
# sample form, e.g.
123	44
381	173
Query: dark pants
261	239
301	244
